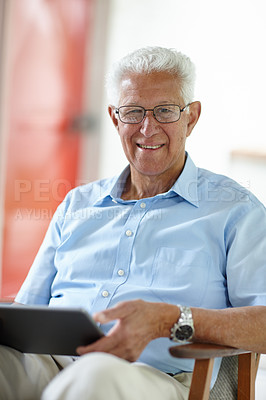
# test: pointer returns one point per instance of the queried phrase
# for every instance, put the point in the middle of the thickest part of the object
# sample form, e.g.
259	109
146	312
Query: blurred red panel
49	48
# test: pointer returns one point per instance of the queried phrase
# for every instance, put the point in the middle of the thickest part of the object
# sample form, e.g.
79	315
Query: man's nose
149	124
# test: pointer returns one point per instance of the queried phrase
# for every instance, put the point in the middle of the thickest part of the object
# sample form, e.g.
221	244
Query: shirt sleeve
246	259
36	288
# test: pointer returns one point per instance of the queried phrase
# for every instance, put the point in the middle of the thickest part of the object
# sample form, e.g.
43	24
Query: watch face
184	332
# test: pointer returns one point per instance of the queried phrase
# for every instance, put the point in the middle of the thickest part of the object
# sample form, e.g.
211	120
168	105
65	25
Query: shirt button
143	205
105	293
121	272
129	232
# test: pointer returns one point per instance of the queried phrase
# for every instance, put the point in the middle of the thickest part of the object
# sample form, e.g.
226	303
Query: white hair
153	59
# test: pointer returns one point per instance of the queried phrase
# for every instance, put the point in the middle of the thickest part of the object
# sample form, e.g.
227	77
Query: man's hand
137	323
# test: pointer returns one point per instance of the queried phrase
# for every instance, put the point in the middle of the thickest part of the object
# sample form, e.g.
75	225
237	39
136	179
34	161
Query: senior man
163	243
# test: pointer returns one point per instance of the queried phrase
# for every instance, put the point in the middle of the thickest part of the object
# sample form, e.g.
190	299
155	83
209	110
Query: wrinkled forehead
137	86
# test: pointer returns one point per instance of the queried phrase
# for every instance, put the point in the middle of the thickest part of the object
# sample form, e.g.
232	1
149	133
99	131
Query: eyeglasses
163	113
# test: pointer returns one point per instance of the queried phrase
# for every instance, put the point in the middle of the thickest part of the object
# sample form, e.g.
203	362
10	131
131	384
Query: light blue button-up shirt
202	244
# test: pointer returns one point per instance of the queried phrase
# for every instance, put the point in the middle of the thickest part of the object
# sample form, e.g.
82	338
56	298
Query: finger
121	310
105	344
118	351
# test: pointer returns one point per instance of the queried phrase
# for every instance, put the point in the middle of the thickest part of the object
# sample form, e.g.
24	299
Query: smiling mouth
142	146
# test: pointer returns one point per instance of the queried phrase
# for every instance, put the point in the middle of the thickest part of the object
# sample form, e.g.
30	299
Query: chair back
225	387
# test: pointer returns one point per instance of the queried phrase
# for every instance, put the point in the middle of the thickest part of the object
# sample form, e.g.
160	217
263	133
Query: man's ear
193	116
111	111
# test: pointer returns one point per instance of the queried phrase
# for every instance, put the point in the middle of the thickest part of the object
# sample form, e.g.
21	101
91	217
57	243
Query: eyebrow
162	103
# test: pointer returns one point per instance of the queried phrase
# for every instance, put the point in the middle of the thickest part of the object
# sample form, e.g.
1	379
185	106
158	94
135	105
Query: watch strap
183	329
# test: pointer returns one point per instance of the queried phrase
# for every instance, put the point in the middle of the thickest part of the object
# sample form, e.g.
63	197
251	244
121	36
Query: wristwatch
183	330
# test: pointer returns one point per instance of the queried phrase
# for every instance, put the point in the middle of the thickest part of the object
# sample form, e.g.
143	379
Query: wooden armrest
204	351
204	355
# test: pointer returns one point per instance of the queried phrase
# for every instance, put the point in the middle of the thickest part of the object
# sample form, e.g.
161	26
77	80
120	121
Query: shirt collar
115	188
185	186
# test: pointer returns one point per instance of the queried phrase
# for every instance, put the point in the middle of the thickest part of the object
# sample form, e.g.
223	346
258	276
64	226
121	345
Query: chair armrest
204	351
204	354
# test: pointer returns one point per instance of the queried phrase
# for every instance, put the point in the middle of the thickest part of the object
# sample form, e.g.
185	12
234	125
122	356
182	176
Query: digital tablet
46	330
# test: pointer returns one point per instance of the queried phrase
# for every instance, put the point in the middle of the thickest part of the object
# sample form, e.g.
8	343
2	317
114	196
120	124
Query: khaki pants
24	376
95	376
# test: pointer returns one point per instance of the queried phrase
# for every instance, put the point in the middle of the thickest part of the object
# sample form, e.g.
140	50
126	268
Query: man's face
167	155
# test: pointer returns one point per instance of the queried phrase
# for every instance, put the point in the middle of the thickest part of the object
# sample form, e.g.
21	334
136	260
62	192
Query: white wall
226	41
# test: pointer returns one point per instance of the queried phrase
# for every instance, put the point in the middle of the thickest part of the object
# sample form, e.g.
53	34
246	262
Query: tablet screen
46	330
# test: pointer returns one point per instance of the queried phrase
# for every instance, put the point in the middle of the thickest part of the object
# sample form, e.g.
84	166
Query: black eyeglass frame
117	109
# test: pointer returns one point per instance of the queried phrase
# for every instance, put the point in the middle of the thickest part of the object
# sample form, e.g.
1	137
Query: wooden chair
236	378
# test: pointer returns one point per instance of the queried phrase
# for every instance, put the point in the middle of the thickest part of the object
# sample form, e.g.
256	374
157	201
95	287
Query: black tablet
46	330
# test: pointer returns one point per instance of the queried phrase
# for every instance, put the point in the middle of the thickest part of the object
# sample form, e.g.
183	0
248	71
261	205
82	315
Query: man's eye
132	112
165	110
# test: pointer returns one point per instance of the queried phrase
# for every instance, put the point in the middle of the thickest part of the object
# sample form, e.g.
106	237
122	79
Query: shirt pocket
181	275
